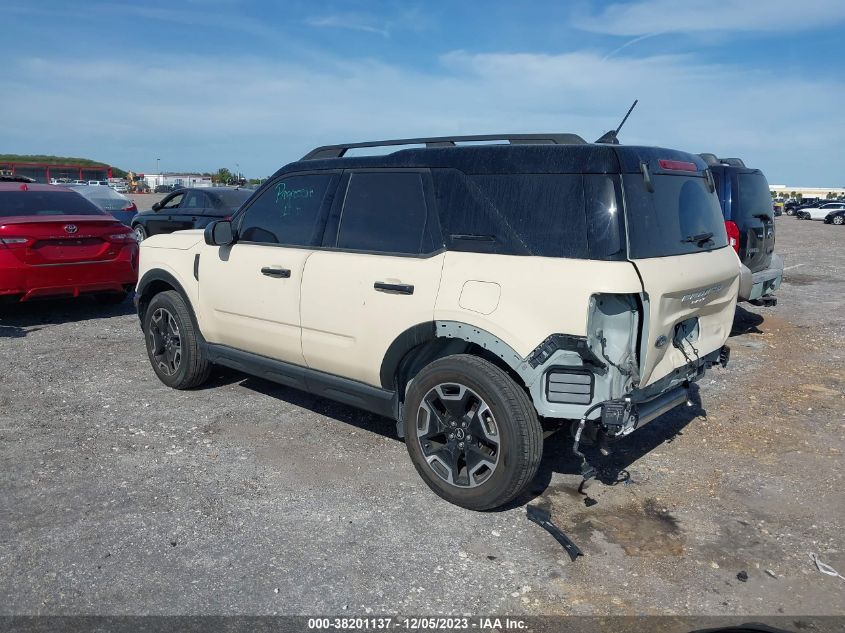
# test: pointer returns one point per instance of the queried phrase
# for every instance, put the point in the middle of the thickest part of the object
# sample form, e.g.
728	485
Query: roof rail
710	159
338	151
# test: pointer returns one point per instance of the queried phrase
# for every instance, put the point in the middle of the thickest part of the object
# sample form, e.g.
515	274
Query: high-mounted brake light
677	165
733	235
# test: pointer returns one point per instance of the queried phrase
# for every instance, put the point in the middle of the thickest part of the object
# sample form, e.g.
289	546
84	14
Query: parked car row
829	212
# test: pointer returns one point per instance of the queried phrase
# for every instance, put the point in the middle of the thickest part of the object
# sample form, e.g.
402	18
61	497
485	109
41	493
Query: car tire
173	345
472	432
838	220
789	212
111	298
140	232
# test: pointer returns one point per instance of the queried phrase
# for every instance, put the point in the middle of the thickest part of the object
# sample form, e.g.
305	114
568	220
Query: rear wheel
174	349
839	220
140	232
472	432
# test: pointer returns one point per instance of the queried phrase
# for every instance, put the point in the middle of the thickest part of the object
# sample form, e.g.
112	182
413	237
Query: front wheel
472	432
173	346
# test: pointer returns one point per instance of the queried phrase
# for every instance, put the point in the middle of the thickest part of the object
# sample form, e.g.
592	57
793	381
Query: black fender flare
152	278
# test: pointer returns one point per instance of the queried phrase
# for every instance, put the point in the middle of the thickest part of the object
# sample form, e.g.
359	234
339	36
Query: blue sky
220	83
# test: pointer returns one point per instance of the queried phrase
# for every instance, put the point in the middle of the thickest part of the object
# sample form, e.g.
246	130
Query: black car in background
746	203
836	217
191	208
166	188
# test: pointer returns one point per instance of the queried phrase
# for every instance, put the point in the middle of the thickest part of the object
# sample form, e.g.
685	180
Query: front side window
287	212
383	212
173	202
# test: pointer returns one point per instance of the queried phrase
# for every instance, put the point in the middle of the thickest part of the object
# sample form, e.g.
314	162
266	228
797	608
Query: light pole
238	170
158	171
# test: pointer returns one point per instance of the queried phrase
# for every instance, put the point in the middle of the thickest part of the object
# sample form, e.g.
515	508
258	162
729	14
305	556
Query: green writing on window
288	197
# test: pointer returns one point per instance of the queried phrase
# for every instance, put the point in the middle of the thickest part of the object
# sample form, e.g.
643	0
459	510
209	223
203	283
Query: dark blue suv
749	220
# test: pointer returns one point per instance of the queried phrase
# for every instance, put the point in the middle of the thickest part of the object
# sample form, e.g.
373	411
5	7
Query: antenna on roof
612	136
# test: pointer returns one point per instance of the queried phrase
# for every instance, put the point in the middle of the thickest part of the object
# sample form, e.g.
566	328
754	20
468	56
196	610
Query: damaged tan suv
474	292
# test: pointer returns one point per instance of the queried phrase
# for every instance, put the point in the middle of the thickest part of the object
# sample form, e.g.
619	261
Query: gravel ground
121	496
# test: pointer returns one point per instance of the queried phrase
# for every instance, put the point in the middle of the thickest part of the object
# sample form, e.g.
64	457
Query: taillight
677	165
131	207
733	234
122	237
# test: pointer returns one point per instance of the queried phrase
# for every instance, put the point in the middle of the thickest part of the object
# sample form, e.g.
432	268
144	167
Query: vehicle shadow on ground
329	408
557	449
746	322
18	320
558	457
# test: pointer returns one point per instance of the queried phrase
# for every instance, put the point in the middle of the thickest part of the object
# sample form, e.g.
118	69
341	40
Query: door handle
279	273
397	289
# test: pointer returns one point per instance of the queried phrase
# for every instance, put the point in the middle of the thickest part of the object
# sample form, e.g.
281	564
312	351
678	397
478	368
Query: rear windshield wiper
699	239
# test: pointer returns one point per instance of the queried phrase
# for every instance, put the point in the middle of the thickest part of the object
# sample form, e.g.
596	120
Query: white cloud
664	16
350	21
201	113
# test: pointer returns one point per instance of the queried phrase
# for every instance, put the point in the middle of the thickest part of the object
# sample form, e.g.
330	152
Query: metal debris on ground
825	568
543	519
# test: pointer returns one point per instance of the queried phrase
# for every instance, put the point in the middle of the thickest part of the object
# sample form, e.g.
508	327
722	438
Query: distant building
44	172
183	180
784	191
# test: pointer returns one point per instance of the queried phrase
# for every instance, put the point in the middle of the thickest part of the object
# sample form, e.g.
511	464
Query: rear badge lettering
697	297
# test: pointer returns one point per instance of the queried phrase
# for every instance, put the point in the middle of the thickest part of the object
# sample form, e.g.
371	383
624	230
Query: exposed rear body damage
468	292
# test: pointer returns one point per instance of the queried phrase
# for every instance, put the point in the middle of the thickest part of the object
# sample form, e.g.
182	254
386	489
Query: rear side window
514	214
384	212
605	216
680	216
287	212
753	198
231	199
23	203
195	200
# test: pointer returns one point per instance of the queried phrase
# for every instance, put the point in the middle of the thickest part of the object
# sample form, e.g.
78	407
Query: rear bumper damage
622	416
759	286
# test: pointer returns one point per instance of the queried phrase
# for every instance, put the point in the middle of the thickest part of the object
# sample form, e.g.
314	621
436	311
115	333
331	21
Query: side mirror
219	233
156	206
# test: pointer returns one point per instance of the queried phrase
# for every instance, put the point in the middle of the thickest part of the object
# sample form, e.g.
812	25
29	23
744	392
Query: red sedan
54	242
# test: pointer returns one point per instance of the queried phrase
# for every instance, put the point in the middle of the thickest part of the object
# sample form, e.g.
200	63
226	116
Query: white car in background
819	212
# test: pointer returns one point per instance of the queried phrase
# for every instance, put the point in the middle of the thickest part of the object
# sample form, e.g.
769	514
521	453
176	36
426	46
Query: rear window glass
680	216
15	203
754	197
